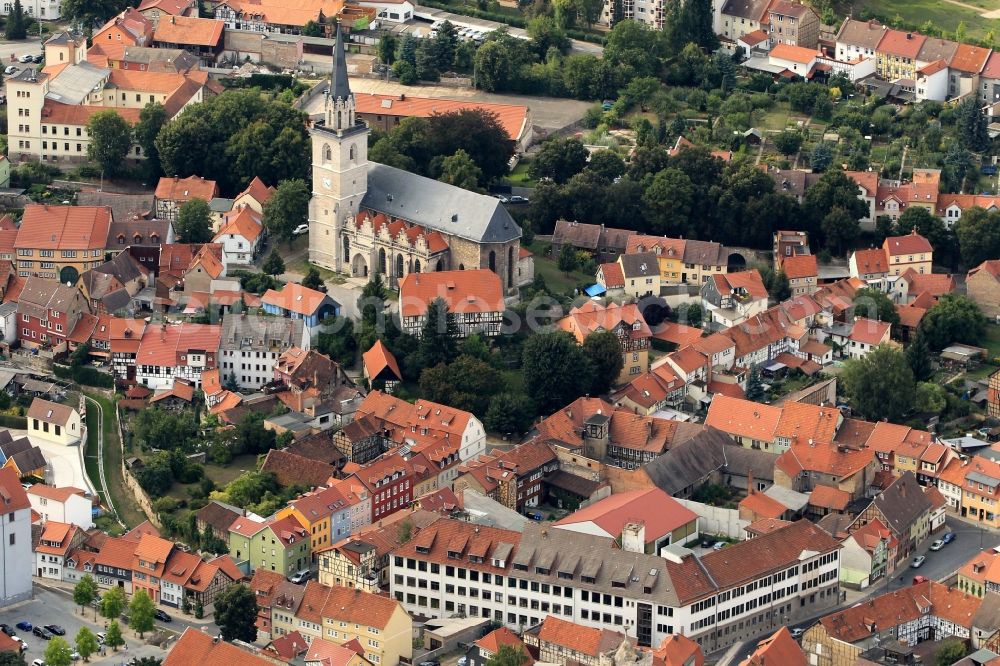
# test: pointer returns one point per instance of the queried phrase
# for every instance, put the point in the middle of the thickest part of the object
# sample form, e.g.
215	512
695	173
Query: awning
595	290
774	367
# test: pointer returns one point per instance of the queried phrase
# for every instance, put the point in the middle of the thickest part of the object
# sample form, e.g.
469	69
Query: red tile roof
578	638
471	291
901	44
800	266
870	331
377	359
195	647
828	497
492	642
245	222
185	189
660	513
762	506
969	59
11	492
780	648
912	243
592	317
678	334
64	227
512	117
792	53
612	275
824	458
163	345
743	418
189	31
295	298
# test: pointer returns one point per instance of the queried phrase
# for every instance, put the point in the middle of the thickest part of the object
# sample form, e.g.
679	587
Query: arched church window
347	248
353	153
493	261
327	153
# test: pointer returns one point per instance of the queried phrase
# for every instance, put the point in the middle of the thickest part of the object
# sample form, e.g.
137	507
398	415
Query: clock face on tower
327	183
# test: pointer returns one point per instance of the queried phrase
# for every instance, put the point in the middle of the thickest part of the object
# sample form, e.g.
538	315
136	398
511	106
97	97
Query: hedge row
85	376
16	422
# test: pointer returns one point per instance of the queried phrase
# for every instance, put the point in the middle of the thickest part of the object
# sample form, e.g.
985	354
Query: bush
85	376
15	422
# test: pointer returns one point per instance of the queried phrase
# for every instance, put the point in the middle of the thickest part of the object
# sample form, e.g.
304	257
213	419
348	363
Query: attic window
423	550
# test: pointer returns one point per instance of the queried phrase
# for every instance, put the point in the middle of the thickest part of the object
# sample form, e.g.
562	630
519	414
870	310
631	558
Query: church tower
339	168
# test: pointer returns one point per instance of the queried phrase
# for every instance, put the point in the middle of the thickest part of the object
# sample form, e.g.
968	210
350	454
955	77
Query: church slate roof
439	206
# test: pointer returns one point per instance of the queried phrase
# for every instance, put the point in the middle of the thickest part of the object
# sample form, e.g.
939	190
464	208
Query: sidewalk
67	589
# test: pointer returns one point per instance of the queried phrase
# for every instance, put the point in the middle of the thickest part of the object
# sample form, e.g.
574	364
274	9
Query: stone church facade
366	217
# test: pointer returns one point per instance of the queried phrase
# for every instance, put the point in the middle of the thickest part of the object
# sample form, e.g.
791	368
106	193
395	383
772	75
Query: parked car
918	562
517	199
707	543
919	579
24	625
502	198
797	632
301	577
24	58
38	662
20	641
433	662
55	629
948	537
42	633
101	637
37	59
719	545
534	515
10	69
301	229
7	629
162	616
937	545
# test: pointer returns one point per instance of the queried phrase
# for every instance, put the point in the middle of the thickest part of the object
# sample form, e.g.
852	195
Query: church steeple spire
339	86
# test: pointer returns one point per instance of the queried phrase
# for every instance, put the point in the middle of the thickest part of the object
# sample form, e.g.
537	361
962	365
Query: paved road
547	113
55	606
940	565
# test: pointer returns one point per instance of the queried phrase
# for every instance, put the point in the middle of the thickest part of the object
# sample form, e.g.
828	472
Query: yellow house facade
315	512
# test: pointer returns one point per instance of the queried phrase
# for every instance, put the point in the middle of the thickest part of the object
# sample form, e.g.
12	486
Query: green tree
110	141
405	72
274	264
569	260
509	413
445	45
113	603
494	67
670	201
371	302
606	165
788	142
755	387
58	652
821	157
918	355
17	24
312	279
140	611
11	659
589	11
427	69
556	370
978	234
199	609
152	118
776	283
146	661
86	643
84	592
930	398
287	208
194	221
476	131
387	48
840	229
437	336
113	636
972	125
874	304
508	655
312	29
606	358
459	170
236	614
953	319
558	159
88	12
880	385
467	384
951	650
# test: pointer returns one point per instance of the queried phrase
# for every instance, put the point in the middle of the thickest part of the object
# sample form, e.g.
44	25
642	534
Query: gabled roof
612	274
379	358
64	227
50	412
185	189
291	469
246	223
195	647
743	418
296	298
754	10
800	266
871	261
902	503
512	117
189	31
780	648
464	292
12	494
690	462
588	641
901	44
799	54
969	59
659	512
869	331
912	243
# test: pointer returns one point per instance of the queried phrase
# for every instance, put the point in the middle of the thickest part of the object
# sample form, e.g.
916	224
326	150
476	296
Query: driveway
65	462
546	112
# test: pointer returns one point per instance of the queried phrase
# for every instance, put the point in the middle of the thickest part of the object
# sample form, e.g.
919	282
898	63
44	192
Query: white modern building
15	540
251	345
517	579
49	10
65	505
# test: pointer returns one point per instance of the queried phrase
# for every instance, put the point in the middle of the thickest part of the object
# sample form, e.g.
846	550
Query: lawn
221	475
556	280
944	15
128	511
519	176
